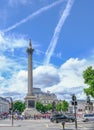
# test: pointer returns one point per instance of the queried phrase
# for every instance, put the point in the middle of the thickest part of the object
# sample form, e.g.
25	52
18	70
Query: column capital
30	49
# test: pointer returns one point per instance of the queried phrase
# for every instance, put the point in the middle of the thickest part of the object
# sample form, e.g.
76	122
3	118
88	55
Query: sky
61	32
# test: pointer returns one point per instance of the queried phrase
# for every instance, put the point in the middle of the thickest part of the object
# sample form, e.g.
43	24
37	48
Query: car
88	117
62	118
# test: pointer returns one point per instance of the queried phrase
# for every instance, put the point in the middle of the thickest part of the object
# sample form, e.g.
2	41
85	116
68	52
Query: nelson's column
30	99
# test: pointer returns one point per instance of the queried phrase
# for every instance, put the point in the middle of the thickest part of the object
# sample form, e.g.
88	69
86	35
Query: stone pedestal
30	112
30	102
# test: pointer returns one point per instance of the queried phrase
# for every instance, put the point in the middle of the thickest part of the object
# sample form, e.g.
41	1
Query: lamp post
11	108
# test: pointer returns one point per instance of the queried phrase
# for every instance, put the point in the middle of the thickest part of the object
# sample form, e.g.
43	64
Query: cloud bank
63	81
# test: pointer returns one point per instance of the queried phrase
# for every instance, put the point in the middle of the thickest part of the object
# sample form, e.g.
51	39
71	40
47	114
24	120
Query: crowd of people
24	117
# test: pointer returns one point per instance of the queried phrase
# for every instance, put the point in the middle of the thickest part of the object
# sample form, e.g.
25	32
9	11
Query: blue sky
61	32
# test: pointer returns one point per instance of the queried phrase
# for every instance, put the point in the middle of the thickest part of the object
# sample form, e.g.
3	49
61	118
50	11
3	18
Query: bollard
63	125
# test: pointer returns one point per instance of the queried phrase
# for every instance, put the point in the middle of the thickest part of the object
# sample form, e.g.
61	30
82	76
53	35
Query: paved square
43	124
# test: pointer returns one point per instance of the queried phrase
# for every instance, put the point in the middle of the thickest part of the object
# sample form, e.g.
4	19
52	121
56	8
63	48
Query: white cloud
63	81
12	73
17	83
22	75
58	28
45	76
32	15
69	78
1	78
11	42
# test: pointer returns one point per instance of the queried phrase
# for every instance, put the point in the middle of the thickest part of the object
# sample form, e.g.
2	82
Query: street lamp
11	101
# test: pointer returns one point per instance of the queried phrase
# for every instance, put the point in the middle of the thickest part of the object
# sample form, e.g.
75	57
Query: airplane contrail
32	15
58	28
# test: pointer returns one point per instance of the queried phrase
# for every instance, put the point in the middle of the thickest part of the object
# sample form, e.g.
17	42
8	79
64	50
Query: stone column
30	74
30	99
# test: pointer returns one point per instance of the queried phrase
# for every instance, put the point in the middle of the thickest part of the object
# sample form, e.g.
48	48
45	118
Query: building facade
82	107
44	97
4	105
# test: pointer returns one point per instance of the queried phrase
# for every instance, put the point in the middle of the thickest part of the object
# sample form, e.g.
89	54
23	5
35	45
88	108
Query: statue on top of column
30	49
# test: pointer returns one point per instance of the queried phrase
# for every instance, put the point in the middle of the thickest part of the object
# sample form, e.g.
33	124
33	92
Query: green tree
58	106
43	108
49	106
39	106
19	106
64	106
88	76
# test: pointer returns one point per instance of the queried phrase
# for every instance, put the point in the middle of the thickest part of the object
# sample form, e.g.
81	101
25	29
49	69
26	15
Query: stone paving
43	124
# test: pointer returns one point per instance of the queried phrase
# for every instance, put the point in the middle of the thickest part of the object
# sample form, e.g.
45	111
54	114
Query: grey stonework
30	99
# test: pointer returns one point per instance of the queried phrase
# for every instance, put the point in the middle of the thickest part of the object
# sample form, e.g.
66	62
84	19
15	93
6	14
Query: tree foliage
88	76
19	106
62	106
39	106
43	108
58	106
